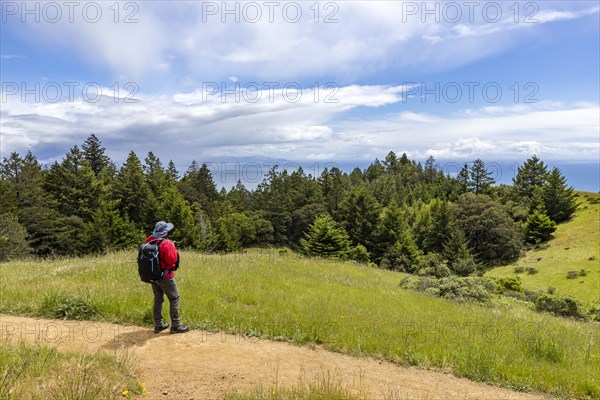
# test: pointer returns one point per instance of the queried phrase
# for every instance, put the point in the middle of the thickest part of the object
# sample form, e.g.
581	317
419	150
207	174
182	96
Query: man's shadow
129	339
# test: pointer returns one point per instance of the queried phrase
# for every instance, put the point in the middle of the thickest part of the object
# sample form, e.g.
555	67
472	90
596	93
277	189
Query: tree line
397	213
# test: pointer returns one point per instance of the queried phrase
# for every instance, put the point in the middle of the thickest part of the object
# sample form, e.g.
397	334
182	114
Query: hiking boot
162	327
180	329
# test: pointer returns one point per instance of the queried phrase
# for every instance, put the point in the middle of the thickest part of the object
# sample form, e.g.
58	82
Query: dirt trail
200	365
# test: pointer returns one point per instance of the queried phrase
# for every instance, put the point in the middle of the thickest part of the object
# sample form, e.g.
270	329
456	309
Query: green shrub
513	284
572	274
461	289
582	272
515	295
594	312
467	289
432	264
564	306
62	306
359	254
519	270
532	271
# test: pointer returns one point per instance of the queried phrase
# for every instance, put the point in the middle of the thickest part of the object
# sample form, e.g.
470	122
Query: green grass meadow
342	306
32	372
576	247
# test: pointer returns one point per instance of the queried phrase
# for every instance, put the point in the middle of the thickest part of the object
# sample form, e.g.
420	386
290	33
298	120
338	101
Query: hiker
169	261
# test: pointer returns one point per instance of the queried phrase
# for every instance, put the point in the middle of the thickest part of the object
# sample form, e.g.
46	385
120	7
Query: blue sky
386	63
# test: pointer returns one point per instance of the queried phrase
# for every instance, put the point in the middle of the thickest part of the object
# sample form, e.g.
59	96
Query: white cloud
184	127
173	38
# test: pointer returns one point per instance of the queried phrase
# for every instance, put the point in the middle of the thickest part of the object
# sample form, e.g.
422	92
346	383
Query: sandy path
201	365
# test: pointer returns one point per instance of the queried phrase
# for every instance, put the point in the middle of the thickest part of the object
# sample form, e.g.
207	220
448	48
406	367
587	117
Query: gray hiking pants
168	287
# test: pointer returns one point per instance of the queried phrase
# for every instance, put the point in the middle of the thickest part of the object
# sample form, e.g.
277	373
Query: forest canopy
397	213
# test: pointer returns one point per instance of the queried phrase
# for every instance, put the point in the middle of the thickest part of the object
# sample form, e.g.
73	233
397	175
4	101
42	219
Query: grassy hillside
343	306
576	247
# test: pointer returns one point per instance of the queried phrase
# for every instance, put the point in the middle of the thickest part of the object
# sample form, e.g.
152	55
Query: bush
515	295
359	254
512	284
582	272
595	312
461	289
69	307
572	274
432	264
467	289
532	271
564	306
519	270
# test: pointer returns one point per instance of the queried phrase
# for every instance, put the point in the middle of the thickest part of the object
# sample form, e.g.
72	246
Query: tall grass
32	372
342	306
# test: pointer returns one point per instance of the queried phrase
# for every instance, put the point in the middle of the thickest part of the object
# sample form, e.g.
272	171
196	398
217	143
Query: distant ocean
250	171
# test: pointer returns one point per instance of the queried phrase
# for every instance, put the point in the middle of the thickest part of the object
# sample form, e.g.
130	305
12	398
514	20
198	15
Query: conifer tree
95	155
480	180
172	173
461	259
432	226
155	174
326	239
531	175
559	200
131	189
463	178
391	223
359	212
73	185
197	186
539	227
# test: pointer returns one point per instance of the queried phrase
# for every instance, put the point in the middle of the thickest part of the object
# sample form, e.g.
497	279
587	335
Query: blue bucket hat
161	229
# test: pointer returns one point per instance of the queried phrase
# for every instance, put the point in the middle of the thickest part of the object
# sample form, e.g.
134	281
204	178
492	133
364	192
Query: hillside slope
576	247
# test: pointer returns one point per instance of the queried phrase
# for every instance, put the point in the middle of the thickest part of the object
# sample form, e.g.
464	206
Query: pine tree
390	225
155	174
559	200
430	172
530	176
431	227
172	173
326	239
403	255
463	178
131	189
73	185
539	227
197	186
95	155
374	171
48	232
108	230
358	214
480	180
391	163
460	257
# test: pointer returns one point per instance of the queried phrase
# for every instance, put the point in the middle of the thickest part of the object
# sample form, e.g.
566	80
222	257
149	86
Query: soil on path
202	365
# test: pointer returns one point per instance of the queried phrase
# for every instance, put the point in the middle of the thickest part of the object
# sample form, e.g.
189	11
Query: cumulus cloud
189	126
